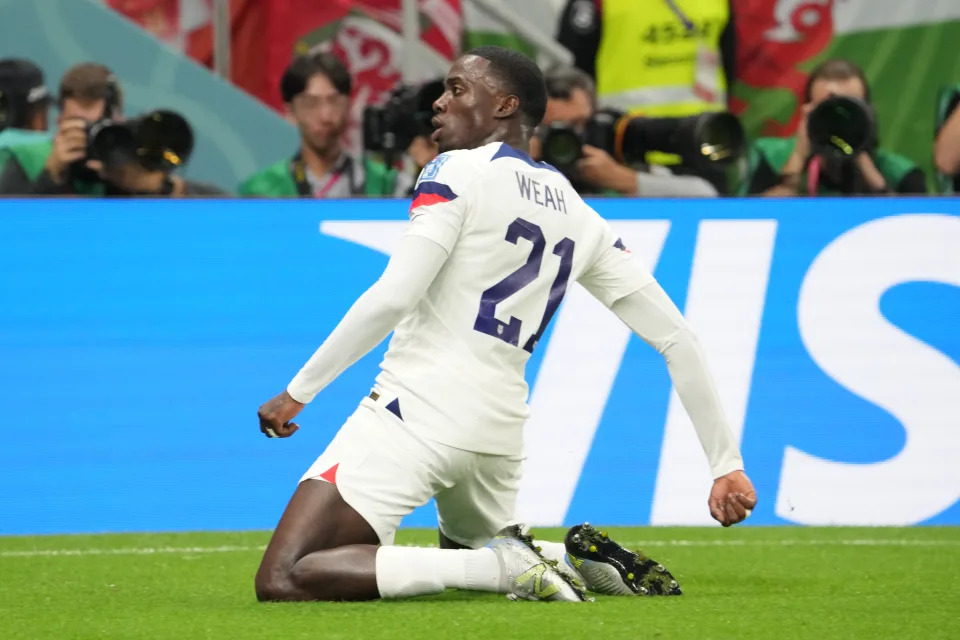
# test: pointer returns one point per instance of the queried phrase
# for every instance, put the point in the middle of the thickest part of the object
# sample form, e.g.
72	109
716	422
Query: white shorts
384	471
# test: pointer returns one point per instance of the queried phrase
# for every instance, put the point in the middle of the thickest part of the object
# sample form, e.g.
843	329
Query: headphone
111	97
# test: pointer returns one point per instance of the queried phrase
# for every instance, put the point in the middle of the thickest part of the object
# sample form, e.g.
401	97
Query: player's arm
436	218
372	317
619	281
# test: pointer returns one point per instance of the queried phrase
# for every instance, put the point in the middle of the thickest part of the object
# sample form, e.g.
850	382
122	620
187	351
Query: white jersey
518	236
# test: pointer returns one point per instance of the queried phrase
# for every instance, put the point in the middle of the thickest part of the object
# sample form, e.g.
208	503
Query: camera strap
298	171
707	65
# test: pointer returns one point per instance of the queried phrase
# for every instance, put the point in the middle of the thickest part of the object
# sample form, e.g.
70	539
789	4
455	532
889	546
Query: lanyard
298	170
687	23
334	178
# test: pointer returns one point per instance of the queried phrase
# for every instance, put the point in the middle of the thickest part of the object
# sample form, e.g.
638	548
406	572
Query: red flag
265	34
771	48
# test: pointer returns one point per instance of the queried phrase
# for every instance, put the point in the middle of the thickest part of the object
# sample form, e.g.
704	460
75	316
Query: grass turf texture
739	583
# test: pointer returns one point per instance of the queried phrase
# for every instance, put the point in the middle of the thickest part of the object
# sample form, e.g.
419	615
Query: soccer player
494	240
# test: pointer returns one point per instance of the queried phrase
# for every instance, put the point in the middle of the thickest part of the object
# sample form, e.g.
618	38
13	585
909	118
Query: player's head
491	94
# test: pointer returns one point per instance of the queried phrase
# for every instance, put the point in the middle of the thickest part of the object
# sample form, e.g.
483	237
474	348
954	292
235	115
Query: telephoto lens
841	127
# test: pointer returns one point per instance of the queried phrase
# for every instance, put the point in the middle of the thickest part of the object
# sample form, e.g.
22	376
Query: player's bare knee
273	582
272	587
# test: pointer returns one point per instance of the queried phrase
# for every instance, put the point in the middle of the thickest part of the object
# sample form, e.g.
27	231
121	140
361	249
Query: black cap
22	78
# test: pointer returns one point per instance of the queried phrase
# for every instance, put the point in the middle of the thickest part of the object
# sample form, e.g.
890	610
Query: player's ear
507	106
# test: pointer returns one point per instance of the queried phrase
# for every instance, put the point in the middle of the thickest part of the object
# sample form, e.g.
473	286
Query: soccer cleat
610	569
526	574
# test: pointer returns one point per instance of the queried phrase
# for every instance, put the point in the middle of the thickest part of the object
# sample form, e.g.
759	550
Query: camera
406	114
160	140
703	142
840	127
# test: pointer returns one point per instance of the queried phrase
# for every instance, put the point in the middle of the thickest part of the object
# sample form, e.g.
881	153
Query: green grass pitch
743	583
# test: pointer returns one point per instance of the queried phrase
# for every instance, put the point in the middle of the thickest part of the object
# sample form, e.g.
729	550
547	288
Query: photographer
835	150
571	107
88	93
96	153
397	133
24	103
316	92
665	57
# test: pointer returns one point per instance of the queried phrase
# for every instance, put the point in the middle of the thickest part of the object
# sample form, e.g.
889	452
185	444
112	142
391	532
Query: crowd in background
645	112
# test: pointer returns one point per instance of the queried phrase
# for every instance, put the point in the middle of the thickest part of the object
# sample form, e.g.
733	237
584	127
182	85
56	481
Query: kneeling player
493	241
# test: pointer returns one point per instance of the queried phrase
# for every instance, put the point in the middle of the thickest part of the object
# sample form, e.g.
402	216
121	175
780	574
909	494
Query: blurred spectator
659	57
24	103
89	95
571	103
316	92
792	166
947	148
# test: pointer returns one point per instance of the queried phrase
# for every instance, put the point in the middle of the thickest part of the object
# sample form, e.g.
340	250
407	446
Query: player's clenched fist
732	498
275	416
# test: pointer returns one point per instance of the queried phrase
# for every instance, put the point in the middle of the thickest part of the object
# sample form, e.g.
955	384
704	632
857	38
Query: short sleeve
615	272
440	199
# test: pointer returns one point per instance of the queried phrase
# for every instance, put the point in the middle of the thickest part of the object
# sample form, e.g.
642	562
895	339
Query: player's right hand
732	498
275	416
69	145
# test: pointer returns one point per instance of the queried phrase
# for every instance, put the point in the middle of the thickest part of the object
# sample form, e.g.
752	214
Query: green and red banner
908	50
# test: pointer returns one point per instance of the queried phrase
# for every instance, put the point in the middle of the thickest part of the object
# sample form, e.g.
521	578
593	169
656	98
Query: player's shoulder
511	157
461	165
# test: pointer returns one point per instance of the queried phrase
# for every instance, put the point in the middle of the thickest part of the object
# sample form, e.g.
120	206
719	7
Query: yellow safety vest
648	57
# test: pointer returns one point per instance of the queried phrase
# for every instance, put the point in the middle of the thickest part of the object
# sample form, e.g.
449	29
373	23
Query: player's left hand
275	416
732	498
598	168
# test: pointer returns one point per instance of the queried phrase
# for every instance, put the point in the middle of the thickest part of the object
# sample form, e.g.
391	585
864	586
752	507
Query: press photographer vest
13	137
32	159
647	61
279	180
775	152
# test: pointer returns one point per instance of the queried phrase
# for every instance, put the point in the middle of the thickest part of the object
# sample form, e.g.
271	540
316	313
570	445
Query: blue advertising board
138	338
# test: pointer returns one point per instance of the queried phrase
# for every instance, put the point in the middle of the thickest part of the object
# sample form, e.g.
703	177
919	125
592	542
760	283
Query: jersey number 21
510	331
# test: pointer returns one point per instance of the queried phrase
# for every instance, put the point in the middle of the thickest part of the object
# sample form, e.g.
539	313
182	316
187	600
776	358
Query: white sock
557	551
403	572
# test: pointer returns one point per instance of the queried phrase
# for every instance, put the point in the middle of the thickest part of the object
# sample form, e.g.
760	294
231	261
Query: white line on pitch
865	542
146	551
132	551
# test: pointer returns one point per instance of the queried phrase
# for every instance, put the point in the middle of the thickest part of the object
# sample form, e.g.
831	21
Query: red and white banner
366	34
